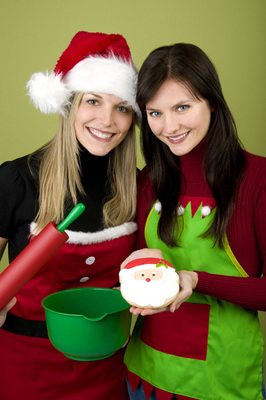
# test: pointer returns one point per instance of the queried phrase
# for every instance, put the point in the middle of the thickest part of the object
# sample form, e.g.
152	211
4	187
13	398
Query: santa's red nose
147	279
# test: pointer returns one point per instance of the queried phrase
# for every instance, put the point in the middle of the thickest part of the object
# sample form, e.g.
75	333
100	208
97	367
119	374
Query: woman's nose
172	124
106	116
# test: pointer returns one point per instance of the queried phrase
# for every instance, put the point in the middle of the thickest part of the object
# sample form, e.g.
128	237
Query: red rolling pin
40	249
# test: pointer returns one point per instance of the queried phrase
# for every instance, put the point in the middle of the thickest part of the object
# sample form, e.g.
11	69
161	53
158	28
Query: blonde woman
91	160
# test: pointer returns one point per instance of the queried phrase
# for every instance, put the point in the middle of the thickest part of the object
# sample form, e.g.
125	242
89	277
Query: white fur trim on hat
51	93
106	75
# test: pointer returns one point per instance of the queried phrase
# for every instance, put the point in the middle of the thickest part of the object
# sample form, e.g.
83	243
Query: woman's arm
244	292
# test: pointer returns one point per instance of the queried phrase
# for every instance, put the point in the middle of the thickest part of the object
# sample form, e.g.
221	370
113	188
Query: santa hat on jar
93	62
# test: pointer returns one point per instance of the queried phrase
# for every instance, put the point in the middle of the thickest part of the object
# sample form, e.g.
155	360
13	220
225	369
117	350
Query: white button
84	279
90	260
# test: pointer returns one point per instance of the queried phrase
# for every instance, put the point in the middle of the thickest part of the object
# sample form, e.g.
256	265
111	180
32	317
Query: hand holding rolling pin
4	311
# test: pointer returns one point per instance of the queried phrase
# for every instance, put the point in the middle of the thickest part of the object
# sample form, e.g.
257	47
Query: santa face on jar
149	283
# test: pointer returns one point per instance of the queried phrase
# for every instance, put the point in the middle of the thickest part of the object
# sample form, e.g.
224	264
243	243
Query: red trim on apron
134	381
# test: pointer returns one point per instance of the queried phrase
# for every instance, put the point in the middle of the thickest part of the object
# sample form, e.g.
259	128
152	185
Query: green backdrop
34	33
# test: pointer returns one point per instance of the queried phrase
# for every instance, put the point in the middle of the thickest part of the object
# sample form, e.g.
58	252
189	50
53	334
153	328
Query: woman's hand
4	310
143	253
187	280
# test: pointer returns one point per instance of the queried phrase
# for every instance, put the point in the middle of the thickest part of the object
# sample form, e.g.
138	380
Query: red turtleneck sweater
246	230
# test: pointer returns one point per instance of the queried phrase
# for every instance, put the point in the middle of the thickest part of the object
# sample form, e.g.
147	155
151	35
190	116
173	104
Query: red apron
30	367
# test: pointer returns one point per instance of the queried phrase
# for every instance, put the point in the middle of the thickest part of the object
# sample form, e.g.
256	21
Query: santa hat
93	62
148	263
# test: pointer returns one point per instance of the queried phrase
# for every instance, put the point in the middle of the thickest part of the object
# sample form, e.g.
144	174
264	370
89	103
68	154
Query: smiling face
177	118
102	122
149	274
149	286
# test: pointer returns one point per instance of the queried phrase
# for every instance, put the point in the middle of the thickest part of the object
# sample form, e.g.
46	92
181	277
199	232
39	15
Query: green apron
208	349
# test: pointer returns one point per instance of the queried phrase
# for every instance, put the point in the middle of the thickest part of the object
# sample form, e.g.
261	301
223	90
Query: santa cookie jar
149	283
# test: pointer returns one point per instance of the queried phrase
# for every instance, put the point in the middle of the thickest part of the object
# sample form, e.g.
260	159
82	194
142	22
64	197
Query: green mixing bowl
87	323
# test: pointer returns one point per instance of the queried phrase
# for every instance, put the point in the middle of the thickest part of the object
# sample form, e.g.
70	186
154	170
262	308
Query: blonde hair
59	175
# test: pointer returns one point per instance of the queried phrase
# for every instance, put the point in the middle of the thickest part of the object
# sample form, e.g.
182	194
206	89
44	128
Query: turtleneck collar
195	156
92	167
192	163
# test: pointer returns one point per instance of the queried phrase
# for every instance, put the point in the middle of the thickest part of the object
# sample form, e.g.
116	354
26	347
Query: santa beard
153	294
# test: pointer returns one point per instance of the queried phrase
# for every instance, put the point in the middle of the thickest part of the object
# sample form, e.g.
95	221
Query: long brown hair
224	161
59	174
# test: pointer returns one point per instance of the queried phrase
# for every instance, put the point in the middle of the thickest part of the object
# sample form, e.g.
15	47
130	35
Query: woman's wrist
195	278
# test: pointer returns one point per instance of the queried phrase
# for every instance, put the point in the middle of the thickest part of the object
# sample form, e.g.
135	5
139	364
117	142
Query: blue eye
154	113
182	108
123	109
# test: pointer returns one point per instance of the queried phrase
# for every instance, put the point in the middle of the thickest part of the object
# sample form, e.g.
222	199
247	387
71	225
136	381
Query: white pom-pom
206	210
180	210
48	93
158	206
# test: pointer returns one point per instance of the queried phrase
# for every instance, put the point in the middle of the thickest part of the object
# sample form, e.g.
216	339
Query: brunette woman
201	206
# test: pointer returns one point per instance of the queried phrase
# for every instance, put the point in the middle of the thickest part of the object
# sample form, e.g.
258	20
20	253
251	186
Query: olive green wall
34	33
